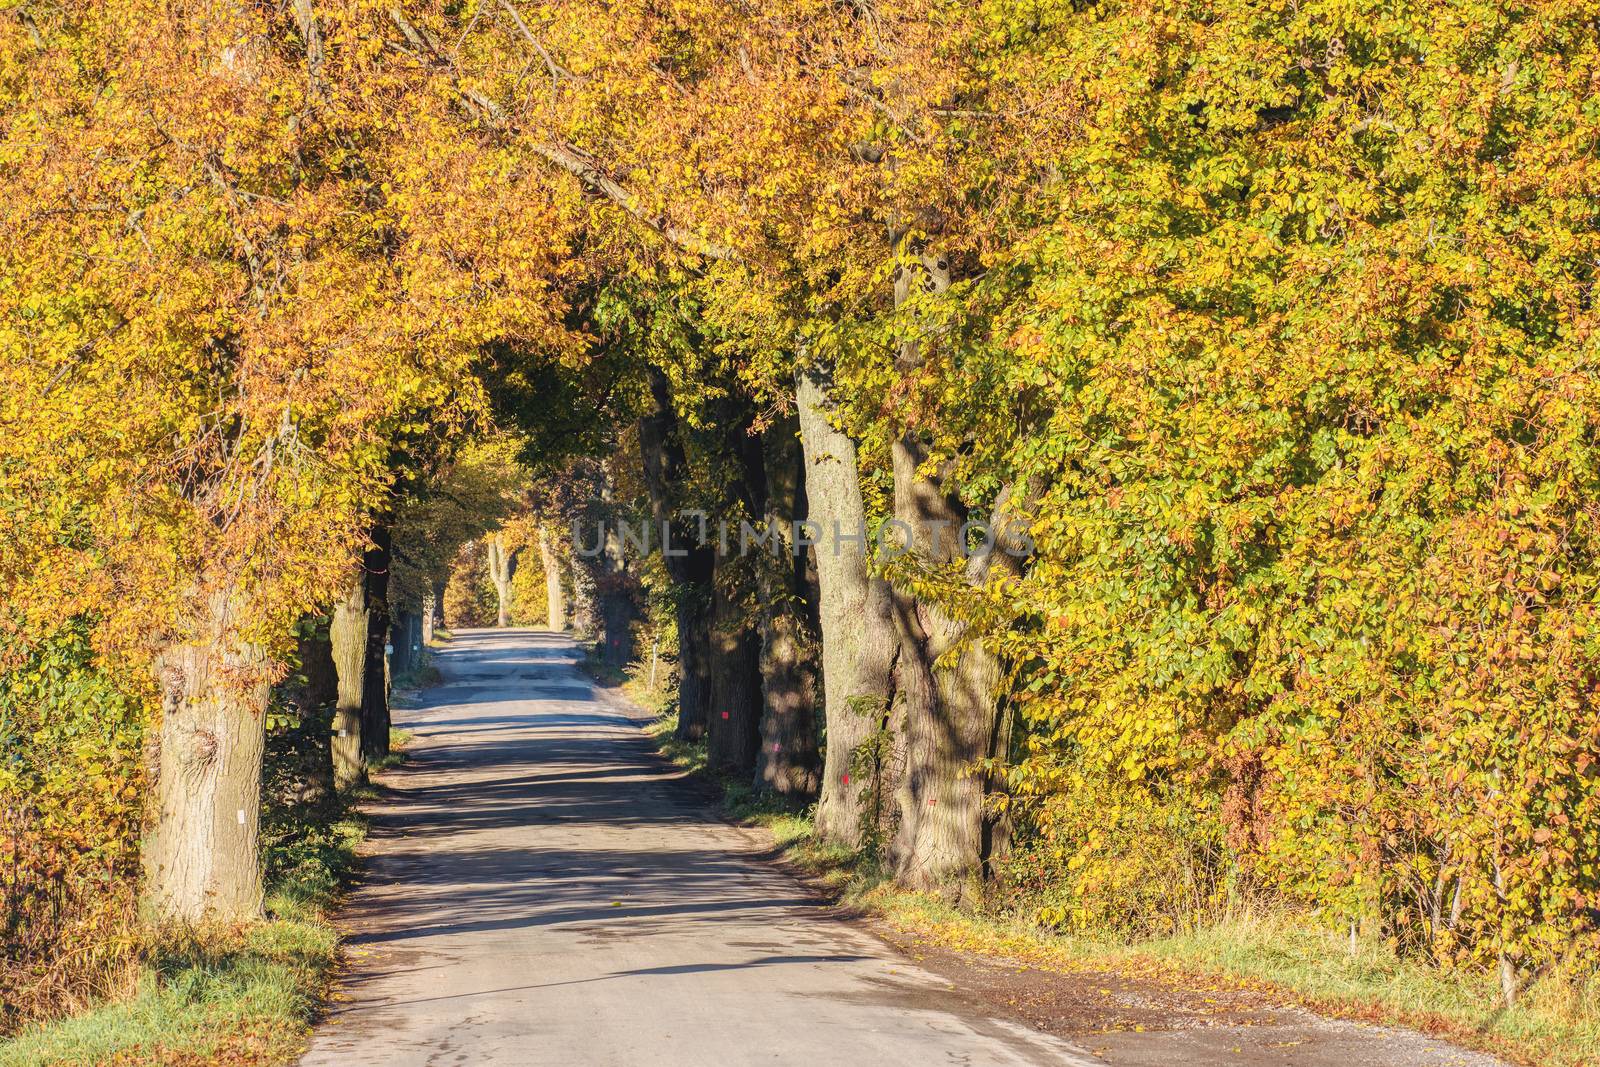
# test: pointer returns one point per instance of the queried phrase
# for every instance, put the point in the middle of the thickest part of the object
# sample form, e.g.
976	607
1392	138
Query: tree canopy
1267	327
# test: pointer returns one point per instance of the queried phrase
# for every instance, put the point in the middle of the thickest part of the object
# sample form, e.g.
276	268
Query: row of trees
1266	329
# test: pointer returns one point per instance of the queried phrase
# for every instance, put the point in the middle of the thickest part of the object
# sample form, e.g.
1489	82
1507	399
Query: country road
542	890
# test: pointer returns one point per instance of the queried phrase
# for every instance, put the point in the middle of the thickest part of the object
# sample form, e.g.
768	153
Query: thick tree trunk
949	717
375	692
315	698
555	596
347	634
788	763
859	642
202	854
427	619
502	568
614	585
733	733
689	563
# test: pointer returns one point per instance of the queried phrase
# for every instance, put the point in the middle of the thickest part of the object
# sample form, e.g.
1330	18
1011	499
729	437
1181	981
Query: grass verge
1556	1022
233	996
240	996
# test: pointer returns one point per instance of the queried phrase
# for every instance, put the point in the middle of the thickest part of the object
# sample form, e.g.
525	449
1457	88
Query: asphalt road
542	891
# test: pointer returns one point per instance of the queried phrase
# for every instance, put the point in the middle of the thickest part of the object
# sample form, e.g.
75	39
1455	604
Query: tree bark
406	639
436	612
583	599
375	691
201	856
555	596
347	633
859	642
949	717
400	641
788	763
614	585
502	567
945	833
314	699
689	563
733	733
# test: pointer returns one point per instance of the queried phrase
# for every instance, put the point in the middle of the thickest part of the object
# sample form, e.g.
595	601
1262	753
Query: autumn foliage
1272	324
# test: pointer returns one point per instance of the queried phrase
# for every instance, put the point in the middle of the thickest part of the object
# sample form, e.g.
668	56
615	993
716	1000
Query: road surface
543	891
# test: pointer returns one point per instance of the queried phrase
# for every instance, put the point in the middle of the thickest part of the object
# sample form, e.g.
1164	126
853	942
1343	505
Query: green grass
241	995
234	996
1556	1020
396	756
690	755
407	684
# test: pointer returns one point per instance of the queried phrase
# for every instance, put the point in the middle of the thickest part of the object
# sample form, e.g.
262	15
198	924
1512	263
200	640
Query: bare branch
306	19
893	116
567	158
556	71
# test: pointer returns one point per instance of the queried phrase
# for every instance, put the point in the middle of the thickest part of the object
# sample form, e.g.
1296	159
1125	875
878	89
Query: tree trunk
555	596
375	691
427	620
688	563
583	599
414	635
436	615
788	763
614	585
202	854
400	641
859	642
945	834
502	567
406	639
733	733
314	699
617	613
949	717
347	633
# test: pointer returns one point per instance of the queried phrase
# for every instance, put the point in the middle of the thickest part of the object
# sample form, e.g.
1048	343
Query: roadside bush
70	796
